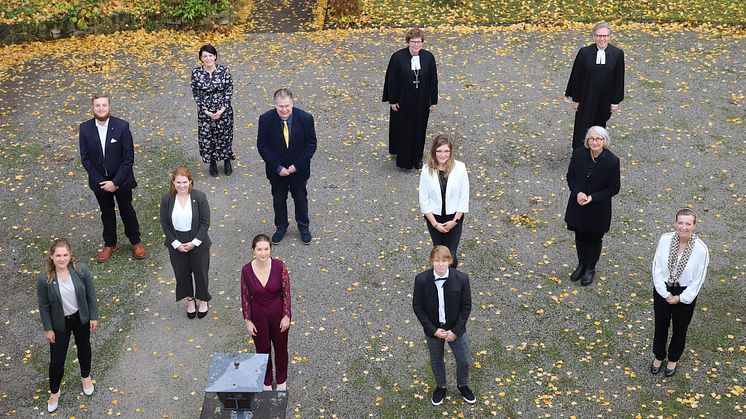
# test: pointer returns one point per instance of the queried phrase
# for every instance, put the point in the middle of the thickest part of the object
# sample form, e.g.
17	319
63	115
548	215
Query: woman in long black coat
593	178
411	89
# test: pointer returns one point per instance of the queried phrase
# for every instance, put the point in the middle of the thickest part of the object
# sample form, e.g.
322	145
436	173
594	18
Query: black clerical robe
595	87
408	125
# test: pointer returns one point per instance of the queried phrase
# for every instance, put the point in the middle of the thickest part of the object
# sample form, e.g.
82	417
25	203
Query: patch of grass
401	13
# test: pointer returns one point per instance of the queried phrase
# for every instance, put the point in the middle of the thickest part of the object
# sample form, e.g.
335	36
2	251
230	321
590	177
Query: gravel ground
541	344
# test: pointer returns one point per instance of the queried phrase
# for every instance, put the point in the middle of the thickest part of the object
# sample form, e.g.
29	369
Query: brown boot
105	253
138	251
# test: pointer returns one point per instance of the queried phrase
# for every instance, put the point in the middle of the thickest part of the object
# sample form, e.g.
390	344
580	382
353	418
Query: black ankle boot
213	168
578	272
227	167
588	275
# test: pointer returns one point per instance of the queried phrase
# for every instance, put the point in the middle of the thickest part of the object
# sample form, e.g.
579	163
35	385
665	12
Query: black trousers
450	239
126	212
588	245
297	188
192	266
680	315
58	350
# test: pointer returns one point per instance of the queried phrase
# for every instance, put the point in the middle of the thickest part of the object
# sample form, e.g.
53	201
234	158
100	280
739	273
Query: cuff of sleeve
196	241
175	244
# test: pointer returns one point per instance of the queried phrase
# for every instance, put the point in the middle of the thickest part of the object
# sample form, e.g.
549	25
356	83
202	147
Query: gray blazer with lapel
50	302
200	218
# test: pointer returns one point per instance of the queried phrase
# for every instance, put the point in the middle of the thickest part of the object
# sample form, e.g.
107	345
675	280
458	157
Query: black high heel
202	314
193	314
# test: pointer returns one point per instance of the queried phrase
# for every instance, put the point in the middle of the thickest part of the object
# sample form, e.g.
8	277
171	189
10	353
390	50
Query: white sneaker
52	407
87	391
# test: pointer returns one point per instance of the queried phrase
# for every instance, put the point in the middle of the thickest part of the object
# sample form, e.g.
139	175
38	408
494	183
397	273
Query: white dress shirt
102	130
439	282
693	276
457	191
181	218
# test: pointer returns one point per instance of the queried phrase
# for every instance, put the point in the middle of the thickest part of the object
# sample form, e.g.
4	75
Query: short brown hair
686	211
99	96
283	93
440	252
180	171
414	33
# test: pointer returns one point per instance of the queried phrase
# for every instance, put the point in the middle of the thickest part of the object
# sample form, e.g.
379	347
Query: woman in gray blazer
185	219
67	304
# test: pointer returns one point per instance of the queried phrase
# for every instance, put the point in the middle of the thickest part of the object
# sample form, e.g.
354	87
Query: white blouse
693	276
67	295
181	218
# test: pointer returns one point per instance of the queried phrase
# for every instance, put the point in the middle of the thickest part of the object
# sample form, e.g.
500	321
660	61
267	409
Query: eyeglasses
415	42
596	139
601	36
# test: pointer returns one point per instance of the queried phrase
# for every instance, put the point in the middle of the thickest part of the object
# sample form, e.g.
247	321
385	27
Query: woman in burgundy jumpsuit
265	299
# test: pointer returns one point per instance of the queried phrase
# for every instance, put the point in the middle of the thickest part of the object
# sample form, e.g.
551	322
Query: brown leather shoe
138	250
105	253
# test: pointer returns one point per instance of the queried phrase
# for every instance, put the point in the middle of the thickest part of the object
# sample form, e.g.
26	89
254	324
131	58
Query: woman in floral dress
212	88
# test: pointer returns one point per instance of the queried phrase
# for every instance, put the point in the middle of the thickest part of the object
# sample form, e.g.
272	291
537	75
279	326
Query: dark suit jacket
120	154
456	295
601	184
50	302
200	218
274	152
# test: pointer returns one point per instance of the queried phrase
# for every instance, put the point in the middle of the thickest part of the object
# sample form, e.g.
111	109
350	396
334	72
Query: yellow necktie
286	133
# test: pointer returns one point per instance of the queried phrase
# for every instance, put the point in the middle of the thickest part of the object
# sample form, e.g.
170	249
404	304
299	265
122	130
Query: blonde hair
440	252
49	263
432	160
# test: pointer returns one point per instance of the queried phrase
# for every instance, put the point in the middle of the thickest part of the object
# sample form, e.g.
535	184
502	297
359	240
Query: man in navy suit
442	303
107	153
287	142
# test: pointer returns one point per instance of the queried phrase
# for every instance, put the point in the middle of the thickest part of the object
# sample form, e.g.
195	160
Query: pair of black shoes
227	167
655	370
197	313
440	393
584	273
305	234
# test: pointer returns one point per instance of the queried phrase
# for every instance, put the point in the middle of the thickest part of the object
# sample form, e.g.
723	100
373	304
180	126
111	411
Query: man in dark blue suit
287	142
107	153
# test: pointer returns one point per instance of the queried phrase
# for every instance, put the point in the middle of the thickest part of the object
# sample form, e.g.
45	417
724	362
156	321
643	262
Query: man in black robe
411	89
596	83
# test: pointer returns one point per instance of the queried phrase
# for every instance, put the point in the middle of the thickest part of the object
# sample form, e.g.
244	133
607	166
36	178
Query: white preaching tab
416	62
601	56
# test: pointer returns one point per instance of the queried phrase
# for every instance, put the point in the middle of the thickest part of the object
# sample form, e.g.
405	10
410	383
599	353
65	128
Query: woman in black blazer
67	304
185	219
593	178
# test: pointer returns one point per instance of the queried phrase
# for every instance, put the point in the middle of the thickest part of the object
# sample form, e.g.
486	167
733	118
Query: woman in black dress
411	89
593	178
212	88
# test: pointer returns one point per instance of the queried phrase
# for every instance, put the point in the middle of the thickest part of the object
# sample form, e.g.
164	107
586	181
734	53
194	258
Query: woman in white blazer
679	270
444	195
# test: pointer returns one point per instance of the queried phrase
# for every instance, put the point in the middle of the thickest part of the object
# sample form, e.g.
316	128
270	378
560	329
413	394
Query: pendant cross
416	84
